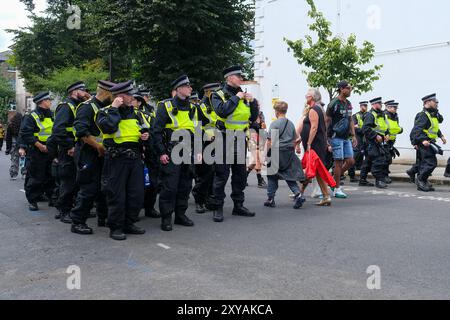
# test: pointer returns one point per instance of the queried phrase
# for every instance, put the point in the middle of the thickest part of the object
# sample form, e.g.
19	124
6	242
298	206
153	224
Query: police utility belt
122	152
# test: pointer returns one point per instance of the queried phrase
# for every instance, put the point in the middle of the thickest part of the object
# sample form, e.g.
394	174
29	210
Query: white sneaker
338	193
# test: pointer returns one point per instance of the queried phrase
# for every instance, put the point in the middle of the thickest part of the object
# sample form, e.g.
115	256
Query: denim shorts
342	149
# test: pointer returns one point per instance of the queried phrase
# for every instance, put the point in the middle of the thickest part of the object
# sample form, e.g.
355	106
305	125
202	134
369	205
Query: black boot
65	217
166	223
200	208
218	215
380	184
447	172
33	206
365	183
353	179
58	215
153	213
82	229
117	235
270	203
422	186
132	229
183	220
240	210
261	183
388	180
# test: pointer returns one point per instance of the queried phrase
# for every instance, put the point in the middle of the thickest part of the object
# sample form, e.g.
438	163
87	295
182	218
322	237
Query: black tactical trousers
428	162
359	152
447	170
67	186
151	193
39	180
89	173
204	178
124	188
176	186
238	178
379	157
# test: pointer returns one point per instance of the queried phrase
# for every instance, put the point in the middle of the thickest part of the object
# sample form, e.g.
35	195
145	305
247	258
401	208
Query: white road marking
163	246
21	190
407	195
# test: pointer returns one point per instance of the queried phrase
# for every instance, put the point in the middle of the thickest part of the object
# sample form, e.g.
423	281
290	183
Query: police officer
235	110
64	136
145	106
376	133
150	157
175	115
204	173
423	135
123	128
89	158
35	130
358	120
394	129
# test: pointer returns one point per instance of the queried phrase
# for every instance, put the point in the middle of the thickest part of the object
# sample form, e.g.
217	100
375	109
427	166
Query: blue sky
12	16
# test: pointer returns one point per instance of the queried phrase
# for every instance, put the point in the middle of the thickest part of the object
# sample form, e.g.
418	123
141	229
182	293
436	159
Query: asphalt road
313	253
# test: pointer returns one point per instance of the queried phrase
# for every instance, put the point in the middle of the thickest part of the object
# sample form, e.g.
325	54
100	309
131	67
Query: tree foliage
150	41
6	97
329	59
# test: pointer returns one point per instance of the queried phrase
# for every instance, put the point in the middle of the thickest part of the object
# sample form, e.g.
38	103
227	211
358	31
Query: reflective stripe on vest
99	138
360	120
393	127
381	126
210	127
129	129
433	131
239	119
45	127
180	121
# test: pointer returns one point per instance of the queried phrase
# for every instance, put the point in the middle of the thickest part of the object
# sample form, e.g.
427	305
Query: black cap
124	87
144	93
389	102
364	103
79	85
41	96
211	86
377	100
342	84
105	85
393	104
181	81
231	71
429	97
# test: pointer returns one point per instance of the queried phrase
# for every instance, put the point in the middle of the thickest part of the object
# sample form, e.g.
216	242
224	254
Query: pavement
399	237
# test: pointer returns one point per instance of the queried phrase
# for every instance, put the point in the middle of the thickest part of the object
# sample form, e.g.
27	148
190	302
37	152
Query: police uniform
174	115
359	151
123	168
377	152
204	173
64	135
394	129
426	128
150	158
89	164
234	116
37	127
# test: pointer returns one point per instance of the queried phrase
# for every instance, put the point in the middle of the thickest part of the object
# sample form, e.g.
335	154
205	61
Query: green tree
152	42
6	97
329	59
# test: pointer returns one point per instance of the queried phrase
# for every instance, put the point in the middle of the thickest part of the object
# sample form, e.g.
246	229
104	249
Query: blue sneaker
338	193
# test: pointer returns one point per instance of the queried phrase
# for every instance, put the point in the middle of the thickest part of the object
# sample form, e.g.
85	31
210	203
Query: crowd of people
114	151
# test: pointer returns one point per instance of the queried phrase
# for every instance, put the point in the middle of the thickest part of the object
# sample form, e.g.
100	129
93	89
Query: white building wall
412	40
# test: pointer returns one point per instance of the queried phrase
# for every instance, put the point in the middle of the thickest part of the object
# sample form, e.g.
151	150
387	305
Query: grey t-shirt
287	137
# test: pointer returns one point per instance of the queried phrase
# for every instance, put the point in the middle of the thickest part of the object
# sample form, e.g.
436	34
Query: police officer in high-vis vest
204	173
123	128
35	130
175	115
64	136
376	133
235	110
394	129
89	158
151	158
358	120
423	136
